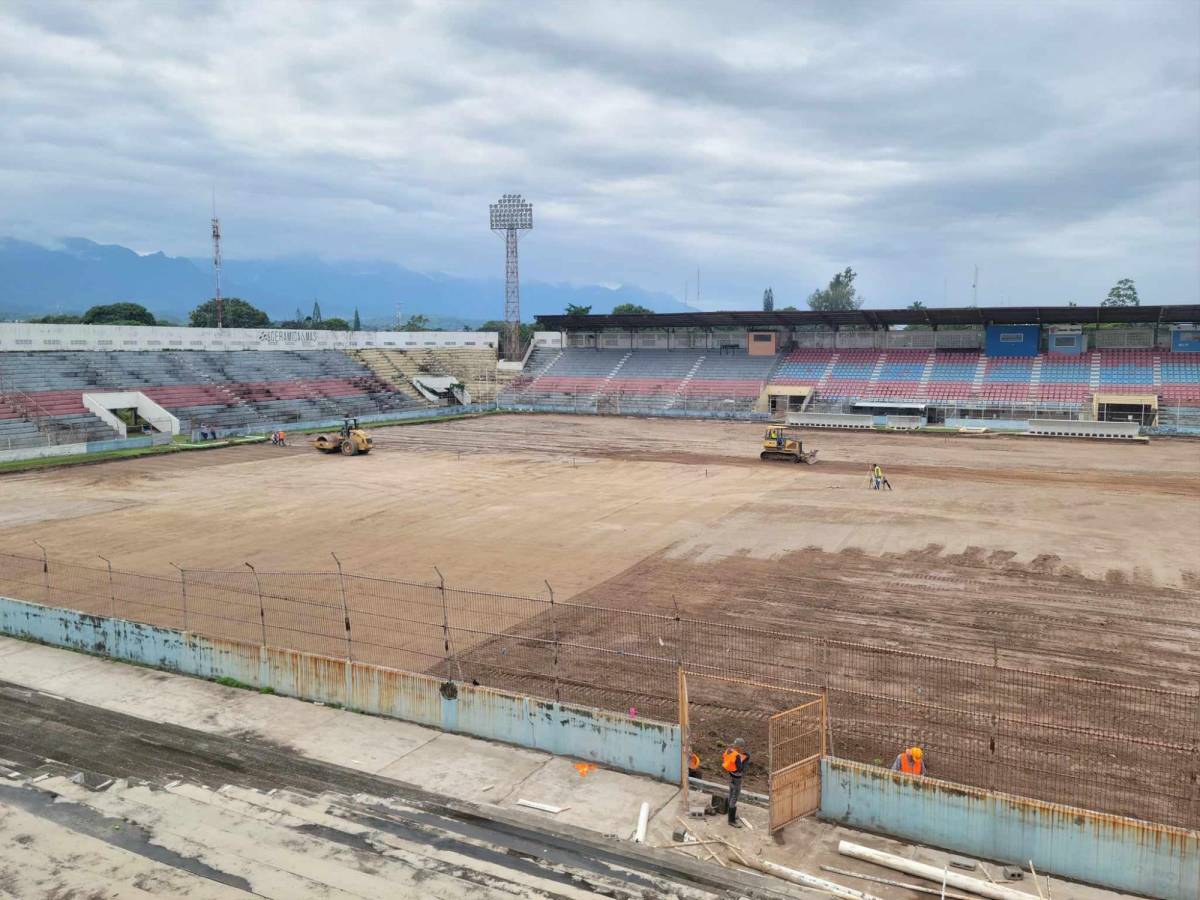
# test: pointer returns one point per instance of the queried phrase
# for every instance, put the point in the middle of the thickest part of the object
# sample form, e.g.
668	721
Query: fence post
45	575
183	594
345	608
554	625
112	594
992	767
262	616
446	627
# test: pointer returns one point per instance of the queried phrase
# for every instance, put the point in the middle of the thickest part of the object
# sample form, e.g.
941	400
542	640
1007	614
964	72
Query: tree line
839	294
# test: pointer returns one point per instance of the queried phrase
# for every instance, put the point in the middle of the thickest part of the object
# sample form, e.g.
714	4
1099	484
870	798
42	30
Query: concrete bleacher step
825	375
876	371
1035	377
282	844
288	843
687	379
927	373
977	378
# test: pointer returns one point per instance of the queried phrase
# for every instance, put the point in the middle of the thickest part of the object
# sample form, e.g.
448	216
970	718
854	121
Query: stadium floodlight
511	216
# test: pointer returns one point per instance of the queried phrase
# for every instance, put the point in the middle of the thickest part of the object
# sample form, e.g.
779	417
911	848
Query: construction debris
930	873
544	807
901	884
639	836
797	877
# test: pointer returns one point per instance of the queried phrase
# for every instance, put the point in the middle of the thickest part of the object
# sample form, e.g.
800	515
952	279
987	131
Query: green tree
627	309
357	326
118	314
790	309
500	327
839	295
334	323
299	315
915	305
1123	293
237	313
416	323
58	319
316	313
574	309
768	300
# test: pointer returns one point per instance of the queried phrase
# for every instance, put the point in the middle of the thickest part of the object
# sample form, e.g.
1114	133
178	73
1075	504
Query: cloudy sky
1056	145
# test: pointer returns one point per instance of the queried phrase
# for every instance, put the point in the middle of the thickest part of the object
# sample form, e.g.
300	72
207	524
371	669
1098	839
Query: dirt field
1074	558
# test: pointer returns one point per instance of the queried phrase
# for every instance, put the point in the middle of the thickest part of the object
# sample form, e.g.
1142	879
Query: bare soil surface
1067	557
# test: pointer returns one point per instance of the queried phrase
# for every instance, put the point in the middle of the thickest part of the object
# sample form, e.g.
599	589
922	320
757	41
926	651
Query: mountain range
79	273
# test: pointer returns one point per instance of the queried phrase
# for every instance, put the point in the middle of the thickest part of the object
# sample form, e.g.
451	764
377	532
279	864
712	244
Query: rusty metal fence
1119	748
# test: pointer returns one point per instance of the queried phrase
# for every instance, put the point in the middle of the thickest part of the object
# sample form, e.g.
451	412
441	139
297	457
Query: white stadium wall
22	336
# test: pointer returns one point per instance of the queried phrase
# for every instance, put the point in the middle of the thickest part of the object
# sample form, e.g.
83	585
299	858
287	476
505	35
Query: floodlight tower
216	238
511	215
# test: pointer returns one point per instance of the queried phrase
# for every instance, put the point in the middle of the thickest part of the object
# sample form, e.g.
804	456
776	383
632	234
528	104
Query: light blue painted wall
1116	852
994	424
636	745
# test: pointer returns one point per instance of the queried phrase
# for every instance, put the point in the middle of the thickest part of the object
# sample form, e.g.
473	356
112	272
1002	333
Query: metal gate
796	743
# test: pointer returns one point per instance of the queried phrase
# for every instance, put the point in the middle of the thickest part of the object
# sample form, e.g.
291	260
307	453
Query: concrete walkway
452	765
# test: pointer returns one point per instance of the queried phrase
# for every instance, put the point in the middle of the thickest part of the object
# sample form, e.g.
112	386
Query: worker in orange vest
693	764
910	762
734	761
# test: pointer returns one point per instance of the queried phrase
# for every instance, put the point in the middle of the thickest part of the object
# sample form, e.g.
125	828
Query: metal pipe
262	616
345	608
930	873
797	877
112	594
183	593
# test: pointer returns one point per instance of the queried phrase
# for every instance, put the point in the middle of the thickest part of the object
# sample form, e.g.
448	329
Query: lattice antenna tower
216	239
511	216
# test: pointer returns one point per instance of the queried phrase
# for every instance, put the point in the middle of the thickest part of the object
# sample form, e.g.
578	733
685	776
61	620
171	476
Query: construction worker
910	762
693	764
881	479
734	762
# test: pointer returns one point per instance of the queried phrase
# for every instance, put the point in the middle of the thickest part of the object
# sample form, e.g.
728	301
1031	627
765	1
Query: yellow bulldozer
350	440
781	446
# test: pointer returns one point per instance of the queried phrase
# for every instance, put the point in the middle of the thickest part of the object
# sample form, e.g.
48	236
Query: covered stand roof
884	318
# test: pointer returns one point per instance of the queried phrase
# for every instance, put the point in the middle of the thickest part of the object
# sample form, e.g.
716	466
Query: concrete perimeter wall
1113	851
638	745
49	450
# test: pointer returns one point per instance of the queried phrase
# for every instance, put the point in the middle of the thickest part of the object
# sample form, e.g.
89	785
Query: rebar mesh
1119	748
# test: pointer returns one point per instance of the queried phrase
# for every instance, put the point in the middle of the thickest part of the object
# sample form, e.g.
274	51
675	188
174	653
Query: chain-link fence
1118	748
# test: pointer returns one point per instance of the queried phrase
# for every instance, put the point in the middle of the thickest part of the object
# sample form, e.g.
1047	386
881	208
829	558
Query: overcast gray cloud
1054	145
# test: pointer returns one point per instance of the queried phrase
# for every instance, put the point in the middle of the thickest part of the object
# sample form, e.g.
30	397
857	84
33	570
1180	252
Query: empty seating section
1065	379
651	378
951	375
1181	378
851	373
802	367
645	380
1127	372
225	389
900	375
1007	379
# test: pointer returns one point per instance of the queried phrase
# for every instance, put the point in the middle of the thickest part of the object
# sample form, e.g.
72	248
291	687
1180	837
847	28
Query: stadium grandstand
67	385
1001	366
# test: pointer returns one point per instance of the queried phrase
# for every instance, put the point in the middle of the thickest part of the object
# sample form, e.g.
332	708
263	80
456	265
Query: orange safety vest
911	766
730	760
694	761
